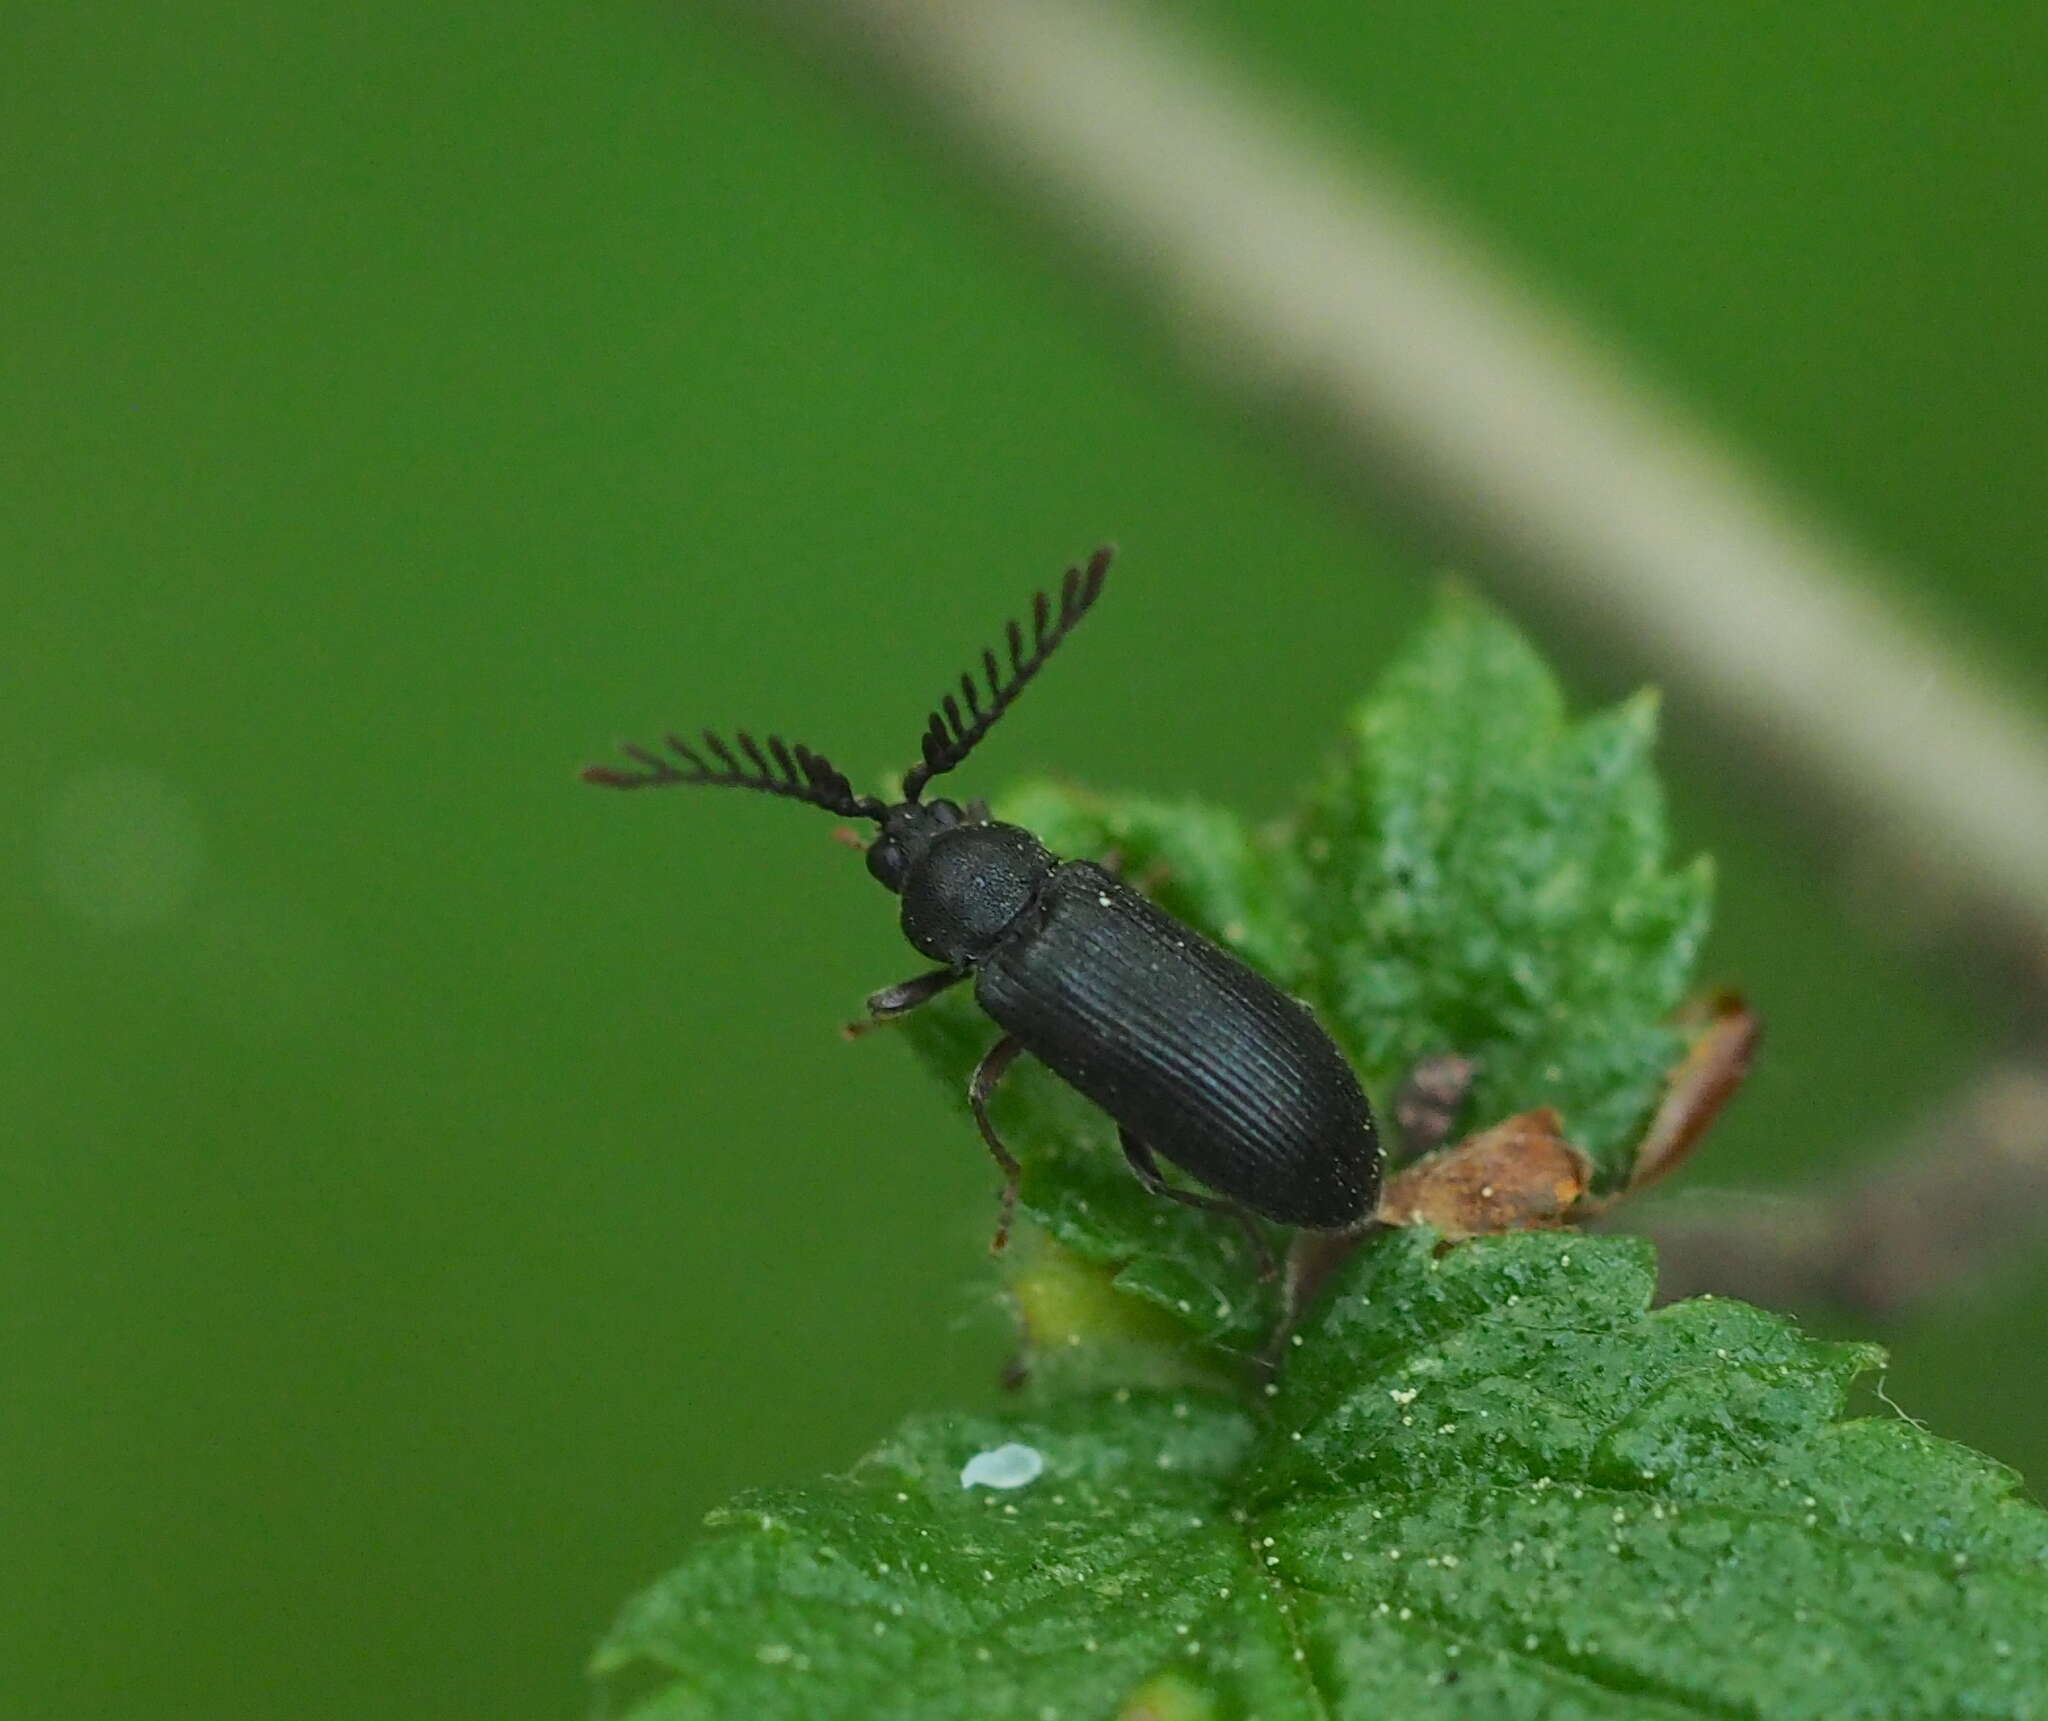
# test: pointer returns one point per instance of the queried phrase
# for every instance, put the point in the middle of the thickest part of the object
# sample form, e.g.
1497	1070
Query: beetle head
908	830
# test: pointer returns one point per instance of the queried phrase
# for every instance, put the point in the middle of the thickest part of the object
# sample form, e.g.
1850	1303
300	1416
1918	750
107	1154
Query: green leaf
1493	1484
1478	875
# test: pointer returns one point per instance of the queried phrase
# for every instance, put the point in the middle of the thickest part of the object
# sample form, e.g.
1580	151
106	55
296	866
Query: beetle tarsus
894	1002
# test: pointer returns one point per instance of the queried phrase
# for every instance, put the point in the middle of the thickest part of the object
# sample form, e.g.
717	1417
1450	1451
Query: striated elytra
1198	1059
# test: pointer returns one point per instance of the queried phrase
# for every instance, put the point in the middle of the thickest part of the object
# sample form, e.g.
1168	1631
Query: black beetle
1194	1056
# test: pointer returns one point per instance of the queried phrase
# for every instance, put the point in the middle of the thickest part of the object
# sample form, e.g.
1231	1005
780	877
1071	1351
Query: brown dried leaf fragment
1702	1082
1520	1175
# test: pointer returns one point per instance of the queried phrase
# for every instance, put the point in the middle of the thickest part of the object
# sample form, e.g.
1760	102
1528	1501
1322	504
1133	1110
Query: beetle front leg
995	1061
1149	1174
899	1000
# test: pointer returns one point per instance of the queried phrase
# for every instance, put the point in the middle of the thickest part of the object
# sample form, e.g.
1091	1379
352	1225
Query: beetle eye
885	863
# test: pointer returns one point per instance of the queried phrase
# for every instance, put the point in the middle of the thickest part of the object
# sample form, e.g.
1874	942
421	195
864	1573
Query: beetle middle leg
1149	1174
994	1063
899	1000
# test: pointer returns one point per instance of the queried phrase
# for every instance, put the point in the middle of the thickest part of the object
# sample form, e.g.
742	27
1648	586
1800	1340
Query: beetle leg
893	1001
997	1059
1312	1256
1149	1174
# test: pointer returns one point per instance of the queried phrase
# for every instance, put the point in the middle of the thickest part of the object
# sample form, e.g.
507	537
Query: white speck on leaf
1011	1466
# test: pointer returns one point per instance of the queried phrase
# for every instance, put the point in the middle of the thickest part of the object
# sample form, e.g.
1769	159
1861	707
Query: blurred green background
427	1185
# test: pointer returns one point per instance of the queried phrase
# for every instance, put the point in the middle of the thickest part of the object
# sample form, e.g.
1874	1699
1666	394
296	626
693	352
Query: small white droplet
1011	1466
